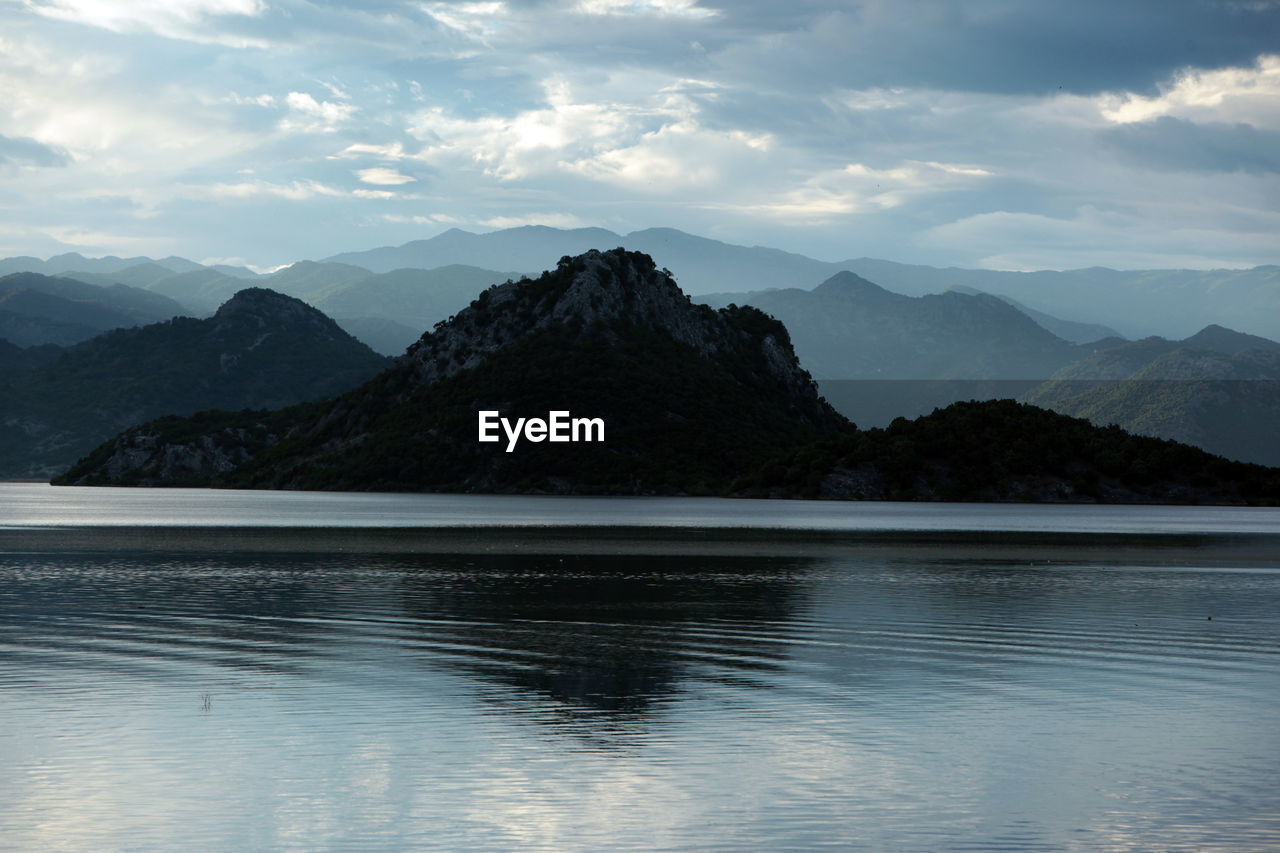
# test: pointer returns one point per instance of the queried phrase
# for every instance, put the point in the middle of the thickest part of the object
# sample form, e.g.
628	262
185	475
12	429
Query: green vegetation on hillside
1003	450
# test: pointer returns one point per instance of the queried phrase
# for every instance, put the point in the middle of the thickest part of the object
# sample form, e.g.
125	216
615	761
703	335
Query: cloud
384	177
1179	145
419	219
928	131
554	220
1001	46
183	19
658	8
1118	238
29	152
295	191
308	115
1249	93
389	151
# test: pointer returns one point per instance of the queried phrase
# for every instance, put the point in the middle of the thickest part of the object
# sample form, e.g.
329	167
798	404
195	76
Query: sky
1005	134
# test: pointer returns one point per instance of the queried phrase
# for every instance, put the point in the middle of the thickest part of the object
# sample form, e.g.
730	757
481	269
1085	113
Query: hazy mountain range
942	329
1218	389
695	400
39	309
851	328
1136	303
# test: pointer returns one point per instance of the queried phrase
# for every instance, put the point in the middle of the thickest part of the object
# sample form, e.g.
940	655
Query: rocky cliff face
691	398
596	290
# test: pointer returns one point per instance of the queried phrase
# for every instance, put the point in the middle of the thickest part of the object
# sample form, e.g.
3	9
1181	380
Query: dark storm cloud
1006	46
1179	145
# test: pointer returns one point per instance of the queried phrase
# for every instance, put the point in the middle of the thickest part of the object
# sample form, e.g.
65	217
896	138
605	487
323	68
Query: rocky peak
600	292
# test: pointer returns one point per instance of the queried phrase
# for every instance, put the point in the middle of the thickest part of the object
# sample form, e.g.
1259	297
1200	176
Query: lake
204	670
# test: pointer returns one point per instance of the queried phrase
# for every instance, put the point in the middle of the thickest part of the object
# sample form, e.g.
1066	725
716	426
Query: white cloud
294	191
419	219
1226	94
656	8
390	151
855	188
380	176
530	142
373	194
78	104
1139	238
181	19
554	220
475	20
308	115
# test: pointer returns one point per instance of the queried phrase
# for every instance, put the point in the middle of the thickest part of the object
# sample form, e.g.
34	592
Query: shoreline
1166	550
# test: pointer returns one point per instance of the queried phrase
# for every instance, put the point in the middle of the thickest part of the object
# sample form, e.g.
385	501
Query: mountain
1215	338
528	249
14	358
74	262
688	397
850	328
1218	390
38	309
380	334
1136	302
415	297
377	308
705	265
261	349
1000	450
1068	330
200	290
307	278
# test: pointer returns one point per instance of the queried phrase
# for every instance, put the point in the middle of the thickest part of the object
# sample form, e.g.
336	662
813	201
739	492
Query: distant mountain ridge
1068	330
851	328
39	309
1217	389
1136	302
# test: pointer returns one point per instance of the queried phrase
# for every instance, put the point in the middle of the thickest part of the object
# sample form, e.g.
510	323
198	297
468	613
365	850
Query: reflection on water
544	702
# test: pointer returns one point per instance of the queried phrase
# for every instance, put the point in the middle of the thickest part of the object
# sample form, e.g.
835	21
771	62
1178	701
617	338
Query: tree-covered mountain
850	328
261	349
1001	450
690	397
1218	390
39	309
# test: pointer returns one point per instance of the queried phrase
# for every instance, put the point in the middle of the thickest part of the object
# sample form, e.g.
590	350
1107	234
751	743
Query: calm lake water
189	670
